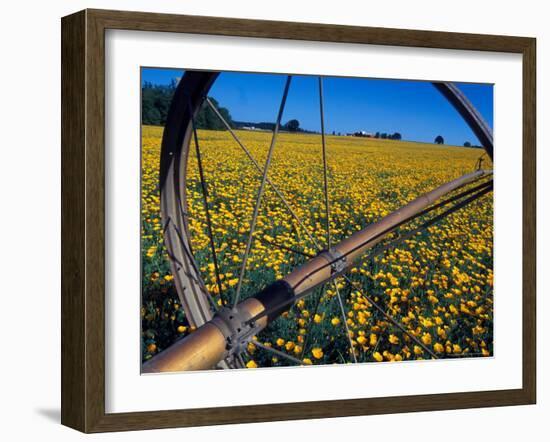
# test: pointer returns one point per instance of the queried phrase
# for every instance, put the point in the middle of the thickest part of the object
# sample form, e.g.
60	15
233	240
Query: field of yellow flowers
439	284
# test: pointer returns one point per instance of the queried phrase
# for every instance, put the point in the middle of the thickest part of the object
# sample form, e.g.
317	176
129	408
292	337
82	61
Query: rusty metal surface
204	348
207	346
173	172
316	271
469	113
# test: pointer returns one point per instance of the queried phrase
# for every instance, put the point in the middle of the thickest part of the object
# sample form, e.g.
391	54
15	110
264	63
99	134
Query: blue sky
413	108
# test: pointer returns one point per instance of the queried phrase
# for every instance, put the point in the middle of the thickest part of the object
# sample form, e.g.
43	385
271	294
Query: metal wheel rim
192	89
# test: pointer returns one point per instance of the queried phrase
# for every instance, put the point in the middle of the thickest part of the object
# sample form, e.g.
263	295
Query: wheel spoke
376	252
310	322
261	191
205	203
390	318
327	214
195	277
286	249
277	352
325	178
259	168
345	321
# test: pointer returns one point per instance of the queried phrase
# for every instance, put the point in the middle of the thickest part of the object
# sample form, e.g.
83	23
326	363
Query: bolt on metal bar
261	191
371	242
207	345
318	270
327	213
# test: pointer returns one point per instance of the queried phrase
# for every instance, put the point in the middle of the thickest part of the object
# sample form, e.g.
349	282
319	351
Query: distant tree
396	136
439	140
207	119
384	135
333	132
467	144
377	135
155	104
292	125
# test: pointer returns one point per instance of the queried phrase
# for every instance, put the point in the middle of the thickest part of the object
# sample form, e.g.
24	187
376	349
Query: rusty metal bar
210	343
394	243
316	271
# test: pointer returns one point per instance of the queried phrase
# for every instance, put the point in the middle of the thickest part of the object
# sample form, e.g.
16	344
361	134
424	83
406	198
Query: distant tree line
156	100
290	126
155	104
385	136
468	144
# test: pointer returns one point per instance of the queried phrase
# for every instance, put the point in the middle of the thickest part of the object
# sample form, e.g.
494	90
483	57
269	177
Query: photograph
303	220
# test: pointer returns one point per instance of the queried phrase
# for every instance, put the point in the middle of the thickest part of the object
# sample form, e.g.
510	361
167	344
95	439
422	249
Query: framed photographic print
268	221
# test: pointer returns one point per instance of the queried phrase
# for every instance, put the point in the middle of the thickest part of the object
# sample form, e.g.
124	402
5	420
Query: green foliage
155	104
396	136
292	126
207	119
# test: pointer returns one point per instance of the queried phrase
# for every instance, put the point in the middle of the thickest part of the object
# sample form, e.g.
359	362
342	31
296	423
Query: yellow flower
378	356
438	347
251	364
317	353
437	282
307	361
373	339
182	329
393	339
289	345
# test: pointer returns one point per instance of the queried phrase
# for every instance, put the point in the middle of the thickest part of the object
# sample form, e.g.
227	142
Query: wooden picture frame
83	219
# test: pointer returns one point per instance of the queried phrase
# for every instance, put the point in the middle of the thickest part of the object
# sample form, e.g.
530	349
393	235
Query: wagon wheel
180	136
